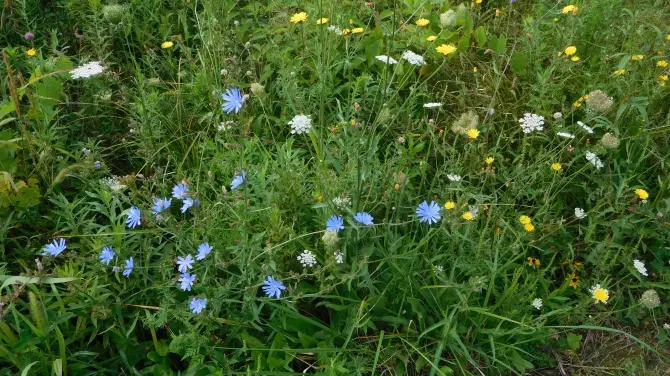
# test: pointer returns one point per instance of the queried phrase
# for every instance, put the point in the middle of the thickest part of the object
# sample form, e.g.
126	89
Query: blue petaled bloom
186	281
130	265
133	217
107	255
185	263
55	248
180	191
97	165
203	250
272	287
428	212
233	100
160	204
335	223
186	204
364	218
238	180
197	305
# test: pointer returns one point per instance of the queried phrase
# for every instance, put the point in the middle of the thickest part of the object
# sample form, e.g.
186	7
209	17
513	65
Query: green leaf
480	36
573	341
519	62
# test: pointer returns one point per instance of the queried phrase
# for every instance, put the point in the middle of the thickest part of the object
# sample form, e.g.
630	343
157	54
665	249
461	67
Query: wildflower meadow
197	187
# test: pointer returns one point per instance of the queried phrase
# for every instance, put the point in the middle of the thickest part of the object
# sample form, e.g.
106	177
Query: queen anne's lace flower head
413	58
639	265
87	70
386	59
585	127
300	124
579	213
565	134
307	259
432	105
537	303
593	158
531	122
454	177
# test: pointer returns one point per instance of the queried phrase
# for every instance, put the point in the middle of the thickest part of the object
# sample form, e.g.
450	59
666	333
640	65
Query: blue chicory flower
185	263
335	223
429	213
186	204
238	180
130	265
273	287
364	218
134	217
107	255
97	165
203	250
233	100
197	305
55	248
186	281
160	204
180	191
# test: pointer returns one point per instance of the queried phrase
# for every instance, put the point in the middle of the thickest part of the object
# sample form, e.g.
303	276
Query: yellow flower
467	216
474	69
431	38
619	72
576	105
478	1
569	9
529	227
556	166
667	37
559	53
472	133
321	21
532	261
449	205
570	50
357	30
422	22
575	58
167	44
524	219
555	19
489	160
319	198
299	17
600	294
346	31
661	84
574	280
31	52
662	63
642	194
663	77
637	57
446	49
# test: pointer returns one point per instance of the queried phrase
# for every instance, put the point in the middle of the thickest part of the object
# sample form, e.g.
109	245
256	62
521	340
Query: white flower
335	29
666	326
386	59
307	259
474	210
300	124
339	257
454	177
585	127
579	213
558	116
342	202
413	58
537	303
639	265
591	157
439	268
225	125
432	104
114	184
87	70
531	122
565	134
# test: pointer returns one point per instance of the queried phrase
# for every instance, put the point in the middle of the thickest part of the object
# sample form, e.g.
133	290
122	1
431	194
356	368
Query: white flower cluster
300	124
565	134
585	127
114	184
474	210
558	116
87	70
413	58
307	259
225	125
579	213
531	122
335	30
639	265
339	257
439	268
386	59
432	104
593	158
537	303
454	177
342	202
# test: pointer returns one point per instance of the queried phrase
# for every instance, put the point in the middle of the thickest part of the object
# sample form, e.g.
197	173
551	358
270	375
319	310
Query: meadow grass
334	187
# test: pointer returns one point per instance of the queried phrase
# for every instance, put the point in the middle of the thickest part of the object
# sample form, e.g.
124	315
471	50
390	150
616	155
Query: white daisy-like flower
339	257
558	116
454	177
565	134
432	105
593	158
87	70
531	122
639	265
386	59
585	127
307	259
537	303
300	124
413	58
580	213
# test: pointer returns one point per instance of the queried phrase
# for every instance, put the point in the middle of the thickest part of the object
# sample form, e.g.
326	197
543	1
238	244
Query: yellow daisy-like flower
533	261
524	219
167	44
600	294
661	84
667	37
31	52
346	31
555	19
575	58
449	205
529	227
663	77
570	50
489	160
299	17
619	72
576	105
478	1
642	194
322	21
474	69
574	280
431	38
422	22
467	216
357	30
568	9
446	49
637	57
662	63
472	133
556	166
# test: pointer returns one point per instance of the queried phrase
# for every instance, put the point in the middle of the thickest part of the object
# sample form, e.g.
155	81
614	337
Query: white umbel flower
335	29
593	158
537	303
666	326
558	116
585	127
114	184
339	257
386	59
87	70
413	58
307	259
474	210
300	124
432	105
565	135
639	265
454	177
579	213
531	122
